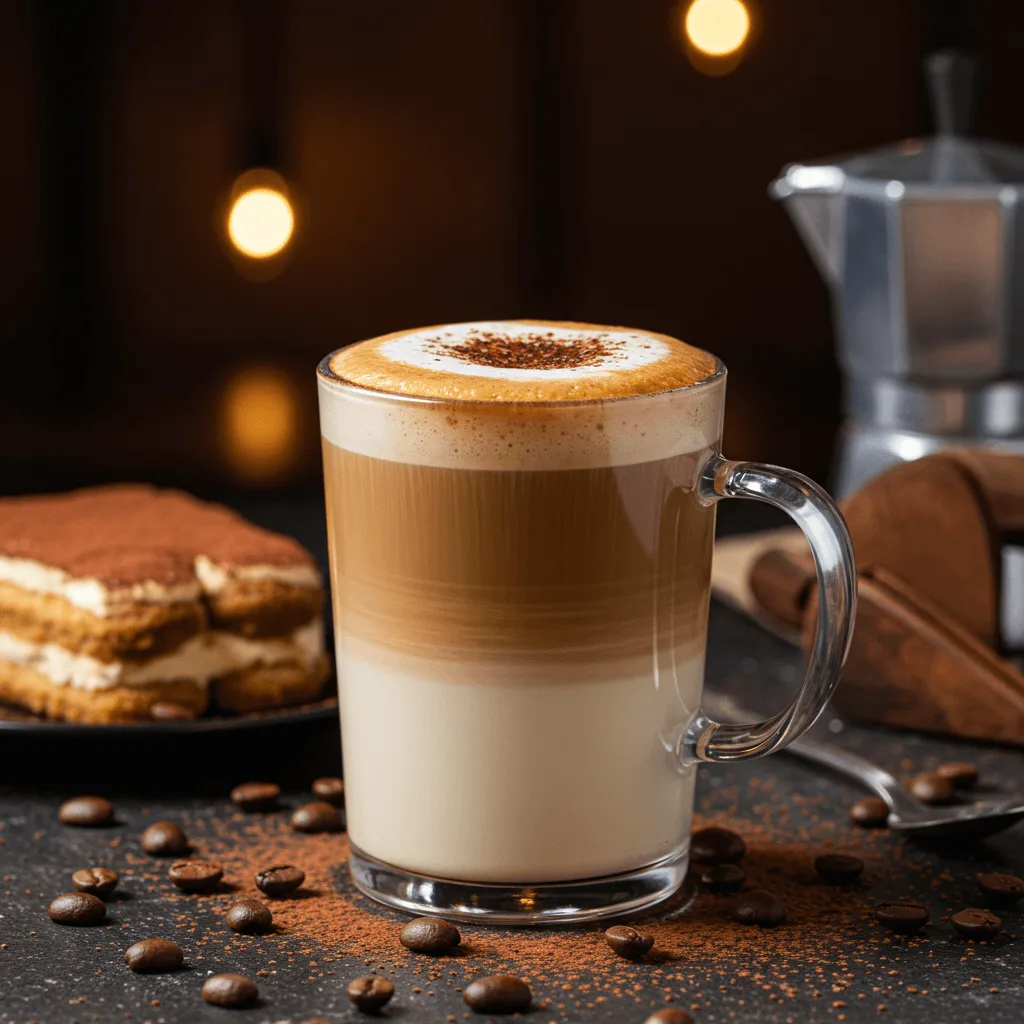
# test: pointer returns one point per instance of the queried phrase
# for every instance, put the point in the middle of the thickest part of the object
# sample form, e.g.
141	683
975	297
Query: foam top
522	361
521	394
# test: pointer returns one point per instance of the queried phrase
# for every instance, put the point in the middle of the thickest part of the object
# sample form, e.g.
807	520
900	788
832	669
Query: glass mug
521	594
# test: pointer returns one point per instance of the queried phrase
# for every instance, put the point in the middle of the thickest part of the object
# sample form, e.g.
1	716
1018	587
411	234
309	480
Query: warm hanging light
261	221
717	27
716	33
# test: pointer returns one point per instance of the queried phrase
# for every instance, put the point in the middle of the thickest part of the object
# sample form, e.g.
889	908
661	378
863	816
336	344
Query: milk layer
502	773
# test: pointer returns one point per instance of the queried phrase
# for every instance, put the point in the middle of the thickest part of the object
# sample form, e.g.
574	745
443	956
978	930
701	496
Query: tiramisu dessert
126	603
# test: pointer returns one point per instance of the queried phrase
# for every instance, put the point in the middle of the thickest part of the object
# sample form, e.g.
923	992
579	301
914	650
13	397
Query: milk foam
629	422
431	350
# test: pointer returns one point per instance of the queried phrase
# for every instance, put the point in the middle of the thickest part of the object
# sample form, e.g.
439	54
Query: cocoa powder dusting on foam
535	352
828	947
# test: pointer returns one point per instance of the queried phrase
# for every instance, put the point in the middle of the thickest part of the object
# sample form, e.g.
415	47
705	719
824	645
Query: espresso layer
522	361
590	565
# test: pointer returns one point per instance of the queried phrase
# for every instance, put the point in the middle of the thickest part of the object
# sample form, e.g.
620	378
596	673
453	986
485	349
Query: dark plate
13	720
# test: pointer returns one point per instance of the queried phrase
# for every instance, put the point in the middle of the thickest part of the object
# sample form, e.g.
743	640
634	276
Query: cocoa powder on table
828	945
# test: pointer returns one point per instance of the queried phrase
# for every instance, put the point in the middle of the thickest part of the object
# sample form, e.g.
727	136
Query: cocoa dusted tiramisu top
523	361
135	541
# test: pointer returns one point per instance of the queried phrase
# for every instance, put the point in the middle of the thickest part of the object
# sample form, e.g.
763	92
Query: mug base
552	903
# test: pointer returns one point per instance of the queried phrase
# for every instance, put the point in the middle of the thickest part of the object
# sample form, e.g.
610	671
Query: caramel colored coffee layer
597	565
523	361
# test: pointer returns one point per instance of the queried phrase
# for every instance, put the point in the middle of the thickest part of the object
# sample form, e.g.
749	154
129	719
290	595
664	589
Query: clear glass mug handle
823	526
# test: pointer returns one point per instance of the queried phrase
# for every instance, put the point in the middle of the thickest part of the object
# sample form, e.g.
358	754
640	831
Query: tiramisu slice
116	599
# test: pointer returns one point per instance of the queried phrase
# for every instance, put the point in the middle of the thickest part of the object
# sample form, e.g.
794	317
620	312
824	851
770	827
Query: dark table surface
829	962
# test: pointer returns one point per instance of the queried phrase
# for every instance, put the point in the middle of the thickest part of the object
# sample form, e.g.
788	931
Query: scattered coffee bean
1004	890
931	788
256	796
86	811
279	880
430	935
195	875
499	993
960	773
331	790
165	711
871	812
95	881
761	908
669	1015
318	816
369	993
904	918
721	878
628	942
976	924
838	868
77	908
717	846
165	839
230	990
154	956
249	916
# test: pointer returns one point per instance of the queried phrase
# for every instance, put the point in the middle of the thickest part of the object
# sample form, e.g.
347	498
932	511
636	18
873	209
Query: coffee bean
670	1015
154	956
499	993
761	908
230	990
721	878
77	908
279	880
628	942
976	924
1003	890
249	916
330	789
838	868
430	935
256	796
960	773
165	839
86	811
904	918
96	881
871	812
195	875
318	816
717	846
165	711
931	788
369	993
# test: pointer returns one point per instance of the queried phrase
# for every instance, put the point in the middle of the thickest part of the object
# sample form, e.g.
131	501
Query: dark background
451	160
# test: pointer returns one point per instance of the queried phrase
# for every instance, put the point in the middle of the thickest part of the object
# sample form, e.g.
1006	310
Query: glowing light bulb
261	222
717	27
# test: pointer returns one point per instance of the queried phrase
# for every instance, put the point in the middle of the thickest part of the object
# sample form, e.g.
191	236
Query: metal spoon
968	821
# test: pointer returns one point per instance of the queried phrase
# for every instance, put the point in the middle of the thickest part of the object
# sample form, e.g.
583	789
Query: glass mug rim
328	377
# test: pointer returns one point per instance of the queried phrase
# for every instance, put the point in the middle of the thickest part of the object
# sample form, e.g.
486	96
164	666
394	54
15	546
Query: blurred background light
717	27
261	222
260	424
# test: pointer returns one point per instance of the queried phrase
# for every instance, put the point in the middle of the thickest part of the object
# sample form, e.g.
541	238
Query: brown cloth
928	537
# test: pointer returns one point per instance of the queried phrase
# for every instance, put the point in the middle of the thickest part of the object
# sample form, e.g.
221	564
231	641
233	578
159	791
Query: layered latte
520	584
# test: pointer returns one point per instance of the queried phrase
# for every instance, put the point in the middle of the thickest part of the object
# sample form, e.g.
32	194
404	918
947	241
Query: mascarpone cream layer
199	659
92	595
